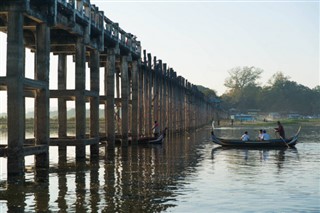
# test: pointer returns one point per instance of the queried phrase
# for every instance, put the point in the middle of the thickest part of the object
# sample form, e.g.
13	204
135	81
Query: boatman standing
156	129
280	130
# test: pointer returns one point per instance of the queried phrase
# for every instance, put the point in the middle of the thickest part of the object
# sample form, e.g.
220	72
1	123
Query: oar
284	141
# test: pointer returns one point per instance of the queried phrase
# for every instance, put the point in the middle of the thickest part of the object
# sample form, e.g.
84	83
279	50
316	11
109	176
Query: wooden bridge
138	89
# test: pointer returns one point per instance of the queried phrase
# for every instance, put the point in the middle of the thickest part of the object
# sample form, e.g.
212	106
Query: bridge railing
89	12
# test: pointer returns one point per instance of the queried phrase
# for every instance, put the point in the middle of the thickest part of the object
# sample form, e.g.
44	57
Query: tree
278	78
240	77
316	89
210	93
280	95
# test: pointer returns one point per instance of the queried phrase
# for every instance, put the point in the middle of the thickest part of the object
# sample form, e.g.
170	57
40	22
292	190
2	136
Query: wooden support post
149	98
80	99
145	94
42	114
187	112
183	103
141	100
94	101
124	100
169	102
109	91
175	102
180	104
15	104
62	106
118	104
165	95
135	102
161	99
155	91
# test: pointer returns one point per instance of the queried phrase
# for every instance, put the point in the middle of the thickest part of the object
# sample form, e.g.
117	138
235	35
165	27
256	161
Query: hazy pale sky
202	40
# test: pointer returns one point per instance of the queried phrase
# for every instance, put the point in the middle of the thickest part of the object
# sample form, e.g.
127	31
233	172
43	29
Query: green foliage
281	95
241	77
209	93
278	78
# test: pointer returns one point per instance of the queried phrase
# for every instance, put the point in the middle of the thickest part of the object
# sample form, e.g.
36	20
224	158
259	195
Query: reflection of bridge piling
137	90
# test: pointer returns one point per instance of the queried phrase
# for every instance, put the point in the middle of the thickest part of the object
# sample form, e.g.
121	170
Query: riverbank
302	122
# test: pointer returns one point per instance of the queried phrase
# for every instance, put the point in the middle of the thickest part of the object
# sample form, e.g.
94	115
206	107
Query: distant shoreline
227	123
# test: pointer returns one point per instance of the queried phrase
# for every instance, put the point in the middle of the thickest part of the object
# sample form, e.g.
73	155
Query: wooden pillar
125	84
109	91
188	103
141	100
194	109
155	91
42	115
173	101
145	95
169	101
62	105
149	98
165	95
94	101
80	99
135	101
161	99
179	105
183	100
118	102
15	104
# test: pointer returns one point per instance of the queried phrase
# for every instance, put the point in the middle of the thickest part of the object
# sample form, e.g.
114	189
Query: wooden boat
272	143
153	140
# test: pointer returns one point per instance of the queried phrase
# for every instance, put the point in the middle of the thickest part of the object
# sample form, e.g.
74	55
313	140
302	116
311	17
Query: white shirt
245	137
265	137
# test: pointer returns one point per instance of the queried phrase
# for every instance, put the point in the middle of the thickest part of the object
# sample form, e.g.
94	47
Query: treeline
279	95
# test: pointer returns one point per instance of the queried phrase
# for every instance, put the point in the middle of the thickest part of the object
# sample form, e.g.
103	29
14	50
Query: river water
187	173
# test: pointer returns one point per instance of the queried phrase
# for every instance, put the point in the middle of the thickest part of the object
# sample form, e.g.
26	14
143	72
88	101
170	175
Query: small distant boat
153	140
272	143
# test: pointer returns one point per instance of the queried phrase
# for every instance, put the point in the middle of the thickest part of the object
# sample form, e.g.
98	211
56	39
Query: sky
202	40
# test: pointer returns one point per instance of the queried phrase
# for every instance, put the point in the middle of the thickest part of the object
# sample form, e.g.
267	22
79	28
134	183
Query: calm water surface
186	174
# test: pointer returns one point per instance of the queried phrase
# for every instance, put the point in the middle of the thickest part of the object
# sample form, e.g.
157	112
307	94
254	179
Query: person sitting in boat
245	136
265	136
260	134
280	130
156	129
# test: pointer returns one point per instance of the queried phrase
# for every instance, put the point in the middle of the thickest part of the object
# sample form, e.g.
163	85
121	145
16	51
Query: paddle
283	140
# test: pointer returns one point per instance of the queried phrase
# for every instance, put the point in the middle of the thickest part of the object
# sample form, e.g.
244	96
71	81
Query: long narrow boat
272	143
153	140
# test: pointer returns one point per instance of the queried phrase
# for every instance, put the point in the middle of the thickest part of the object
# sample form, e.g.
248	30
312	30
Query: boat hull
273	143
153	140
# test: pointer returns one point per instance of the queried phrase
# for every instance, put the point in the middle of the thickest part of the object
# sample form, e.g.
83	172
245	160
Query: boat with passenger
153	140
272	143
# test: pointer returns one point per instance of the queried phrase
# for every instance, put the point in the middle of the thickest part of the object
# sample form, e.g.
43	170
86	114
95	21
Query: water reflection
252	155
155	178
